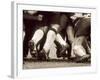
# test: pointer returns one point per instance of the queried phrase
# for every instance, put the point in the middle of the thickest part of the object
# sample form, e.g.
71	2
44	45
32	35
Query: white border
17	66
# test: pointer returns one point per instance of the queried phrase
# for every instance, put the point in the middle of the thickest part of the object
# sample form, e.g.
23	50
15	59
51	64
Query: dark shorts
61	19
54	18
64	21
82	28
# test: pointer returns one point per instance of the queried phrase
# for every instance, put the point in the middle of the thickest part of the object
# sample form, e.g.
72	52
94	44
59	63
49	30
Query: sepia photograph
54	39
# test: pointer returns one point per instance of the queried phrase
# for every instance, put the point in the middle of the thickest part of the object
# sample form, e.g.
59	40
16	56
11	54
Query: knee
44	29
56	27
79	50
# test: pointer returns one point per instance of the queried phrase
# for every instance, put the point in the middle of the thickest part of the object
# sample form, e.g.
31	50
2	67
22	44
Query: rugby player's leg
78	45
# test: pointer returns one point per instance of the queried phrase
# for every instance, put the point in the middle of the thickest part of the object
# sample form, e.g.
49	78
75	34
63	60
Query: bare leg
79	50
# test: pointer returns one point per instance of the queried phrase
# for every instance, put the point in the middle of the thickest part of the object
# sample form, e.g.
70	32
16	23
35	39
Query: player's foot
42	55
32	51
62	52
83	58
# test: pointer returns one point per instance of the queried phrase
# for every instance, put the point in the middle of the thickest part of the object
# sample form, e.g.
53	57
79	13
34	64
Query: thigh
79	40
63	21
59	21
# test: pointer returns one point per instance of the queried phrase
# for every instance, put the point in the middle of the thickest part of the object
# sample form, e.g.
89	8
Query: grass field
53	63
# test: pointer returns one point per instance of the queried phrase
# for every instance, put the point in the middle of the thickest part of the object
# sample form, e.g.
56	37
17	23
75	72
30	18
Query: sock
38	35
60	40
51	35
